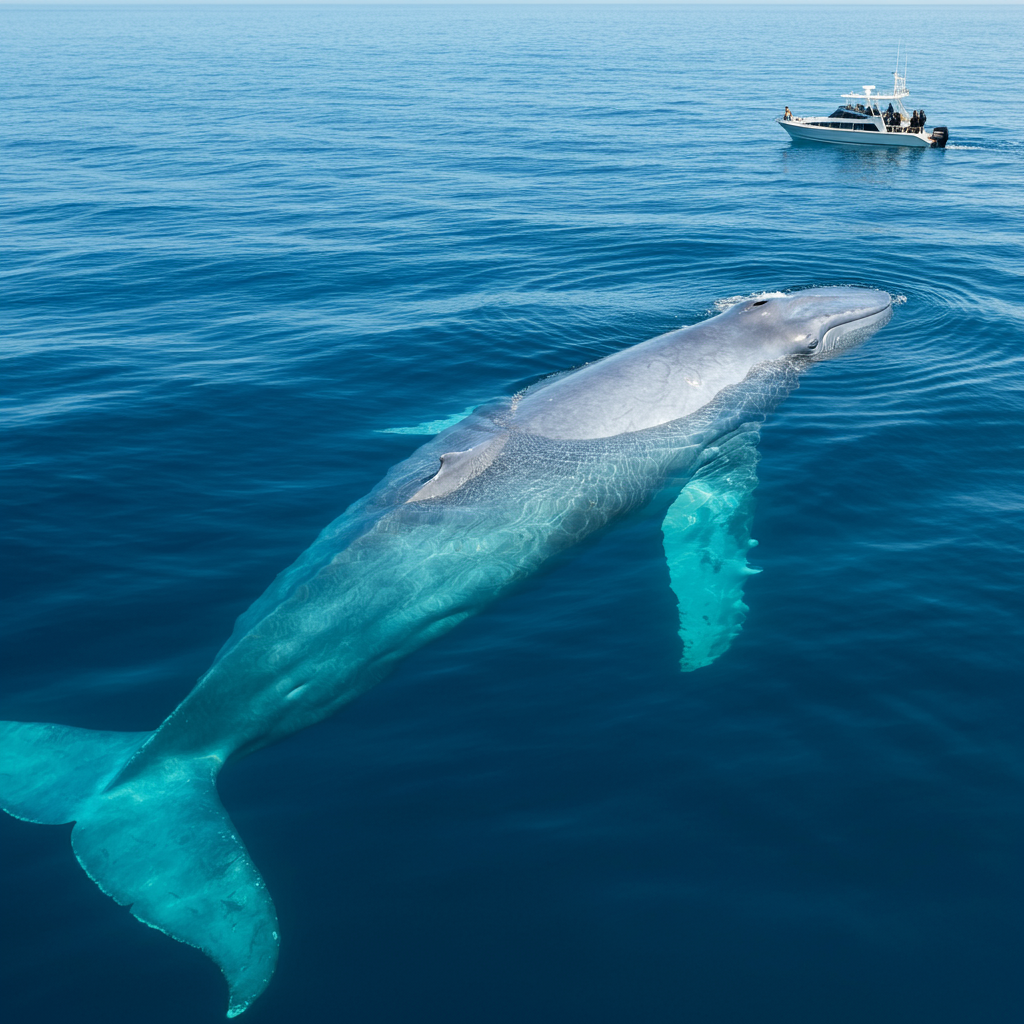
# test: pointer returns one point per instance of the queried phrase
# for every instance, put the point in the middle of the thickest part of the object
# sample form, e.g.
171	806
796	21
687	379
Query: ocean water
239	244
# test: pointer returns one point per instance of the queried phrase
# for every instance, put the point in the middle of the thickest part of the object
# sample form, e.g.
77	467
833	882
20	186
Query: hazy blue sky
859	3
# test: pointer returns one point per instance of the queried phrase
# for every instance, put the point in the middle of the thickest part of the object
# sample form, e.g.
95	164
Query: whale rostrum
671	423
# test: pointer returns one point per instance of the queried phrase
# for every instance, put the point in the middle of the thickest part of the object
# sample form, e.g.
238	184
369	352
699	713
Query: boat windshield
851	112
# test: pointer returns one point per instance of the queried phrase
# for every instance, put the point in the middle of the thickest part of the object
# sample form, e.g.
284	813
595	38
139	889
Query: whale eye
813	343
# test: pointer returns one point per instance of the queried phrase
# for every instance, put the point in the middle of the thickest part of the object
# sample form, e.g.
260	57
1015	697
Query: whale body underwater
670	424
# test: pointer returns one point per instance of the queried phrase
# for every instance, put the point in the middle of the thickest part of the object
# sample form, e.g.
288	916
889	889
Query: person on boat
914	123
788	116
921	119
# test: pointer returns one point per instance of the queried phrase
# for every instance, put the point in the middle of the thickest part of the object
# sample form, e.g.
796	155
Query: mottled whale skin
476	509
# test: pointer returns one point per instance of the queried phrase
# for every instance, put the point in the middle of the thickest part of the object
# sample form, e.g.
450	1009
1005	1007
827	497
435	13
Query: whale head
816	322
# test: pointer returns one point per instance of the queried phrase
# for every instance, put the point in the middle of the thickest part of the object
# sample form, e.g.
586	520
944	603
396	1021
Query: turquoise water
242	245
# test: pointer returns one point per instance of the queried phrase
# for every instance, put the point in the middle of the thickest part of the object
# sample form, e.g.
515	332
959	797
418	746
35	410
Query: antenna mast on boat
899	85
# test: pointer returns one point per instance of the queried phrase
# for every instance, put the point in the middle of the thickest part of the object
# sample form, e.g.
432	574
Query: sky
860	3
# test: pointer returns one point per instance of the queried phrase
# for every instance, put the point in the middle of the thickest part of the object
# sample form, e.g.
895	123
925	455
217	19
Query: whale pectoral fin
707	537
160	842
431	427
458	468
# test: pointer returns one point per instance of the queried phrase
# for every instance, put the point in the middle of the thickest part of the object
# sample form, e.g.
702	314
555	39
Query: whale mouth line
864	316
854	325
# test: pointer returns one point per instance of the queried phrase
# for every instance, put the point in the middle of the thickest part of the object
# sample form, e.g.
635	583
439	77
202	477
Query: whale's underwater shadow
669	426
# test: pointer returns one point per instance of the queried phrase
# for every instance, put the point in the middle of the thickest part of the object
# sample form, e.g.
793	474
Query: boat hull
846	137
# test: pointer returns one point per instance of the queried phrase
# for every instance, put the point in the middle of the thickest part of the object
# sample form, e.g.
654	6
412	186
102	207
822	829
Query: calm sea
239	243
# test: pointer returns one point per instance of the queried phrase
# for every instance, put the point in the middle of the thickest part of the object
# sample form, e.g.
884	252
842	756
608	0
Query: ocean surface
238	245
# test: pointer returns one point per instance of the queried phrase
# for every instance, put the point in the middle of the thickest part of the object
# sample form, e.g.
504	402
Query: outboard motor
939	138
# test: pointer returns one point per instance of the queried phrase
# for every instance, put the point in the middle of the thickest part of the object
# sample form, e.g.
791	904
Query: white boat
863	120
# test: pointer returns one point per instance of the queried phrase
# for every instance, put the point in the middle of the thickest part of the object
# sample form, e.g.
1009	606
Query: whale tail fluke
160	843
48	771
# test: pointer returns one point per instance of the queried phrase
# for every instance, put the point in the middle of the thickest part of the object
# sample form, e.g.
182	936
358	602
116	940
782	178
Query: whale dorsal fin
458	468
707	538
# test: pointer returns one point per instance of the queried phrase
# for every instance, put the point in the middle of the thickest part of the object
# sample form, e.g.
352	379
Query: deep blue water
240	242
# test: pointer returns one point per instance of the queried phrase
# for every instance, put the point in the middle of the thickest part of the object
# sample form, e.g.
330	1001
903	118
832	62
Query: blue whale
670	423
